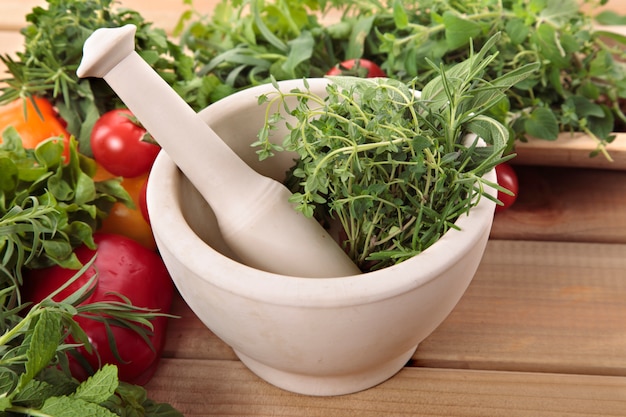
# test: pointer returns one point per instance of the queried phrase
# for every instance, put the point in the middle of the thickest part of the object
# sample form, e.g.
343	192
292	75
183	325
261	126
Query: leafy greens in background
579	86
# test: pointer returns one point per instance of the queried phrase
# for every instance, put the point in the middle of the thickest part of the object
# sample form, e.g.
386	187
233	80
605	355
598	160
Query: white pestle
254	215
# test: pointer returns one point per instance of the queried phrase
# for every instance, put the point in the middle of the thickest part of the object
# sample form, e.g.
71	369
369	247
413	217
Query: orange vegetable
122	219
34	127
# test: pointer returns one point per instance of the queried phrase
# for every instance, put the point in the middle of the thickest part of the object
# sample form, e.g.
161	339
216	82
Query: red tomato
123	267
359	67
507	178
116	143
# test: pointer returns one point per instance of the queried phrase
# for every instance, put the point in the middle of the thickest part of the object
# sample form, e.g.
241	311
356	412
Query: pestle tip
104	49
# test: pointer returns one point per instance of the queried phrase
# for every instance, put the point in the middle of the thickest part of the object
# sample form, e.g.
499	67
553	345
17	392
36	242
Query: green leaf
610	18
492	131
257	6
300	50
585	107
50	152
360	30
100	386
494	92
602	126
517	30
74	407
458	30
547	39
542	124
10	175
5	403
36	392
400	17
559	12
85	191
43	344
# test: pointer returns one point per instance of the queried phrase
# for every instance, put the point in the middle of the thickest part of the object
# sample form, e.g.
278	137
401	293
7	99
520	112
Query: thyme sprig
394	167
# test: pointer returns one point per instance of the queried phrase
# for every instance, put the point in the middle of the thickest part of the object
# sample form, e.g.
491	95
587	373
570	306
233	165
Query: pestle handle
253	212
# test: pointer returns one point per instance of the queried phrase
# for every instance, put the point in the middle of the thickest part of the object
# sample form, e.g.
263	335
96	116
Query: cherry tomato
124	220
34	124
117	144
507	178
359	67
127	268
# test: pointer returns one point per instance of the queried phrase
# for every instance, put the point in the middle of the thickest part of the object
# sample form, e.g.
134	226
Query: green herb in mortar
396	170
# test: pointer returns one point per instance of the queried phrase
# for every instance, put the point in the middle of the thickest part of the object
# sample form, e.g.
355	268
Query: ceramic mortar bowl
315	336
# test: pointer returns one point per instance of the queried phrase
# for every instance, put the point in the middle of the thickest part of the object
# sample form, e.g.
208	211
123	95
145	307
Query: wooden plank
538	306
10	42
226	388
572	150
566	204
532	306
189	338
13	13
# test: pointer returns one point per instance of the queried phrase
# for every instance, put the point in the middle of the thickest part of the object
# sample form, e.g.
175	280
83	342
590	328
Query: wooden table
541	331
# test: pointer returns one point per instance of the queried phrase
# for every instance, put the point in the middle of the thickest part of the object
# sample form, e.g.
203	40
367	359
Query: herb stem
27	411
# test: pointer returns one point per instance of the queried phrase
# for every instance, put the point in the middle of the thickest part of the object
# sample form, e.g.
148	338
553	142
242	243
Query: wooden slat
13	12
10	42
532	306
189	338
566	204
538	306
225	388
572	150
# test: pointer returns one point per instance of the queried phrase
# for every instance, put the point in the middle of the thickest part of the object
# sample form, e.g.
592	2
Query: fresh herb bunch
244	42
48	206
53	42
395	170
578	86
34	373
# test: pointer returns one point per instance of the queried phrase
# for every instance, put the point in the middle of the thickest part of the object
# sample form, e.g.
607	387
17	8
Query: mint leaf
542	124
5	403
43	344
459	31
74	407
99	387
36	392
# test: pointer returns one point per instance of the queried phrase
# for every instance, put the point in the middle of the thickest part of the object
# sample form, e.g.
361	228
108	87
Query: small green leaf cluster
577	87
53	42
48	206
244	42
34	374
580	85
395	168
